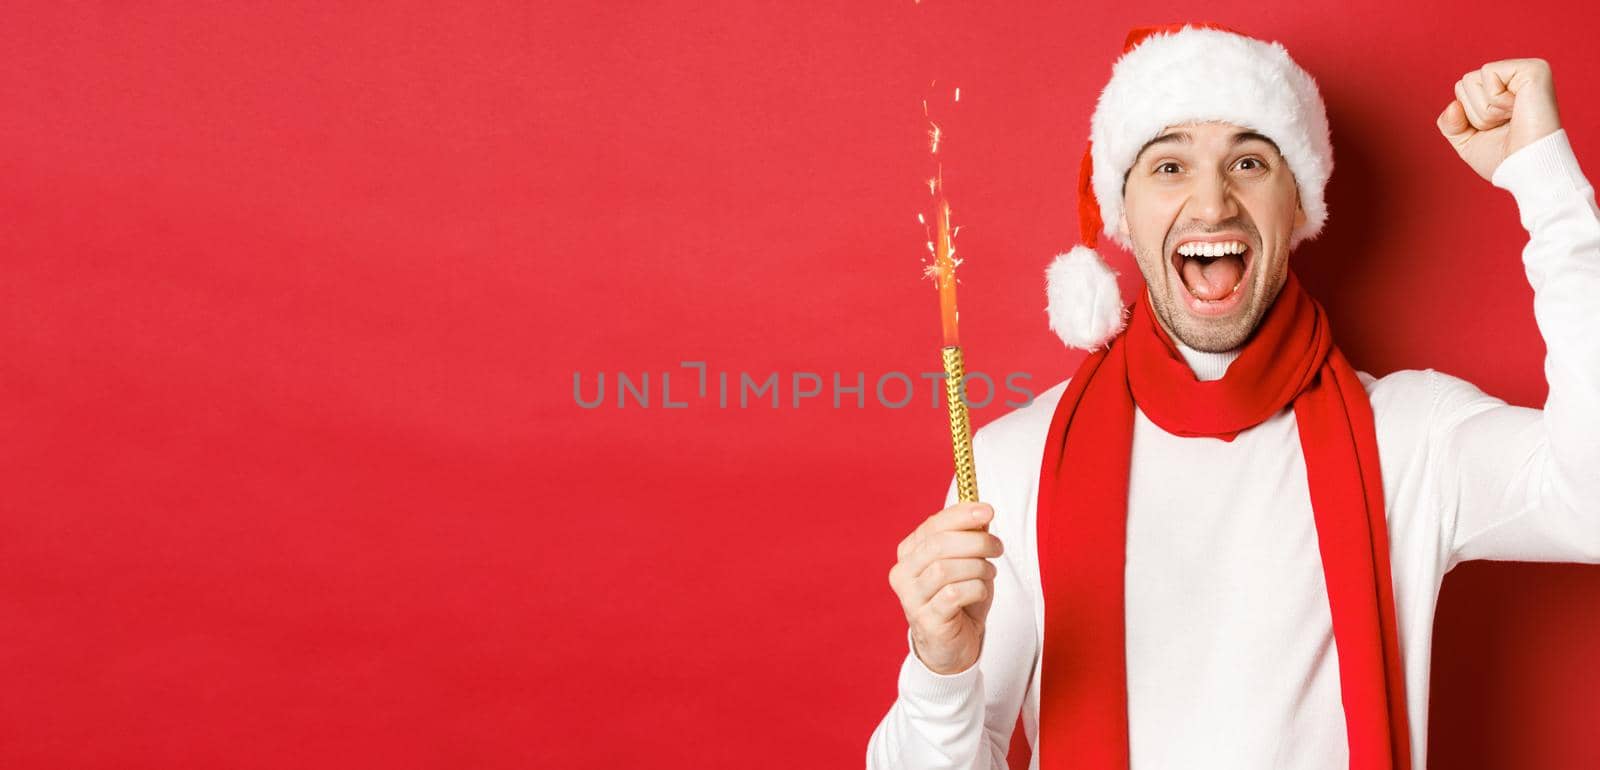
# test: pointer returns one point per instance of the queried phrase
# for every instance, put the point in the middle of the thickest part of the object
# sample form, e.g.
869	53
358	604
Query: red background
294	296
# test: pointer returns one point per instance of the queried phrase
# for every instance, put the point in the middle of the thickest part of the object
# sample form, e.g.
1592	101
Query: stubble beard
1214	335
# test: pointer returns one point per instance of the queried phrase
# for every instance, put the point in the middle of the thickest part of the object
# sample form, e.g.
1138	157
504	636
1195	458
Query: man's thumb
1453	121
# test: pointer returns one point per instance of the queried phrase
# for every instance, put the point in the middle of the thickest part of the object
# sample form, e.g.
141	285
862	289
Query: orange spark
941	236
944	264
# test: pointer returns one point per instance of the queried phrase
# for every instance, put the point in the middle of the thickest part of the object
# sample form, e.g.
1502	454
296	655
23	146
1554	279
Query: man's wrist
917	679
1543	173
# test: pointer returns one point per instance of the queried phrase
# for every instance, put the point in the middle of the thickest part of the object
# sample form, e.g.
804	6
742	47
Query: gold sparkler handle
960	429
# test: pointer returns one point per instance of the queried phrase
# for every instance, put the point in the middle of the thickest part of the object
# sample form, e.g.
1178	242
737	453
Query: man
1218	545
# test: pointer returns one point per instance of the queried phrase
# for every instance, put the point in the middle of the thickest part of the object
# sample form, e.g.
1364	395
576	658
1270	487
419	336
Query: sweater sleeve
1522	484
964	720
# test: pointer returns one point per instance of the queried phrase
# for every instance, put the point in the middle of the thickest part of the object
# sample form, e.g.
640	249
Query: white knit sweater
1230	647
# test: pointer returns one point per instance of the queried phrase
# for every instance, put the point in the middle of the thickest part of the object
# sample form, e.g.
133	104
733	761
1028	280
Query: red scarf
1083	504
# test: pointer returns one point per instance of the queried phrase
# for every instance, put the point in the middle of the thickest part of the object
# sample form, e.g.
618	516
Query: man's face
1209	185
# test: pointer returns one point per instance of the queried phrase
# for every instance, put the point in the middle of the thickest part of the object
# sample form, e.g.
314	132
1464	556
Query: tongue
1215	278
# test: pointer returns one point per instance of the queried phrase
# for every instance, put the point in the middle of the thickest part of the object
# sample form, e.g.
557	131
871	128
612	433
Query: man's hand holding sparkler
1500	108
945	582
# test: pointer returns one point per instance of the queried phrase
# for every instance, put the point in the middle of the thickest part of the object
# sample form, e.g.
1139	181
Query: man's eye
1164	165
1256	161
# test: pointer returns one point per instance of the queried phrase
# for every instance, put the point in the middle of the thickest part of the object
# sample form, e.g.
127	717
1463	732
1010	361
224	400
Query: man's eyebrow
1171	137
1183	137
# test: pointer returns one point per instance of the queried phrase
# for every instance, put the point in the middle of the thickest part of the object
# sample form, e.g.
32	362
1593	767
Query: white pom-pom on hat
1085	306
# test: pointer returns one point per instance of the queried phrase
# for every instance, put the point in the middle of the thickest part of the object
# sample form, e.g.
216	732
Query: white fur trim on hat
1085	306
1200	74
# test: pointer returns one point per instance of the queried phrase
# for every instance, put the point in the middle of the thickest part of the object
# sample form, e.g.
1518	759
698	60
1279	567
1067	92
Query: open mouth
1212	274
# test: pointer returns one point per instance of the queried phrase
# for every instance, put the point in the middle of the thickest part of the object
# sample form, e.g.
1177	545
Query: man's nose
1213	199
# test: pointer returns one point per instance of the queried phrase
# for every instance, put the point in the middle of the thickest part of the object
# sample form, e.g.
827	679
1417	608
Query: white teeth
1197	249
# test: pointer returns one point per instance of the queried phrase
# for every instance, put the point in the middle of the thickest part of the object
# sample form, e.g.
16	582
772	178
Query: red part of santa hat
1169	75
1089	219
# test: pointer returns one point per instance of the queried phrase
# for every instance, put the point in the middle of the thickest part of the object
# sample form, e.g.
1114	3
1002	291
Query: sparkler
942	270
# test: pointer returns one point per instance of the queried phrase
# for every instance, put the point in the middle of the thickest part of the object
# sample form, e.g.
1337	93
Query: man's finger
1511	75
949	600
1494	109
1466	104
958	516
1491	111
946	571
952	544
1497	88
1453	121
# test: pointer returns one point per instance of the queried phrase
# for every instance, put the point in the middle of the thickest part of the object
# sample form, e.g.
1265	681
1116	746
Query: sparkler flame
941	243
941	236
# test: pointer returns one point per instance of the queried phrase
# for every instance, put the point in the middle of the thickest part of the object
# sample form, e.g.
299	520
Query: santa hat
1168	75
